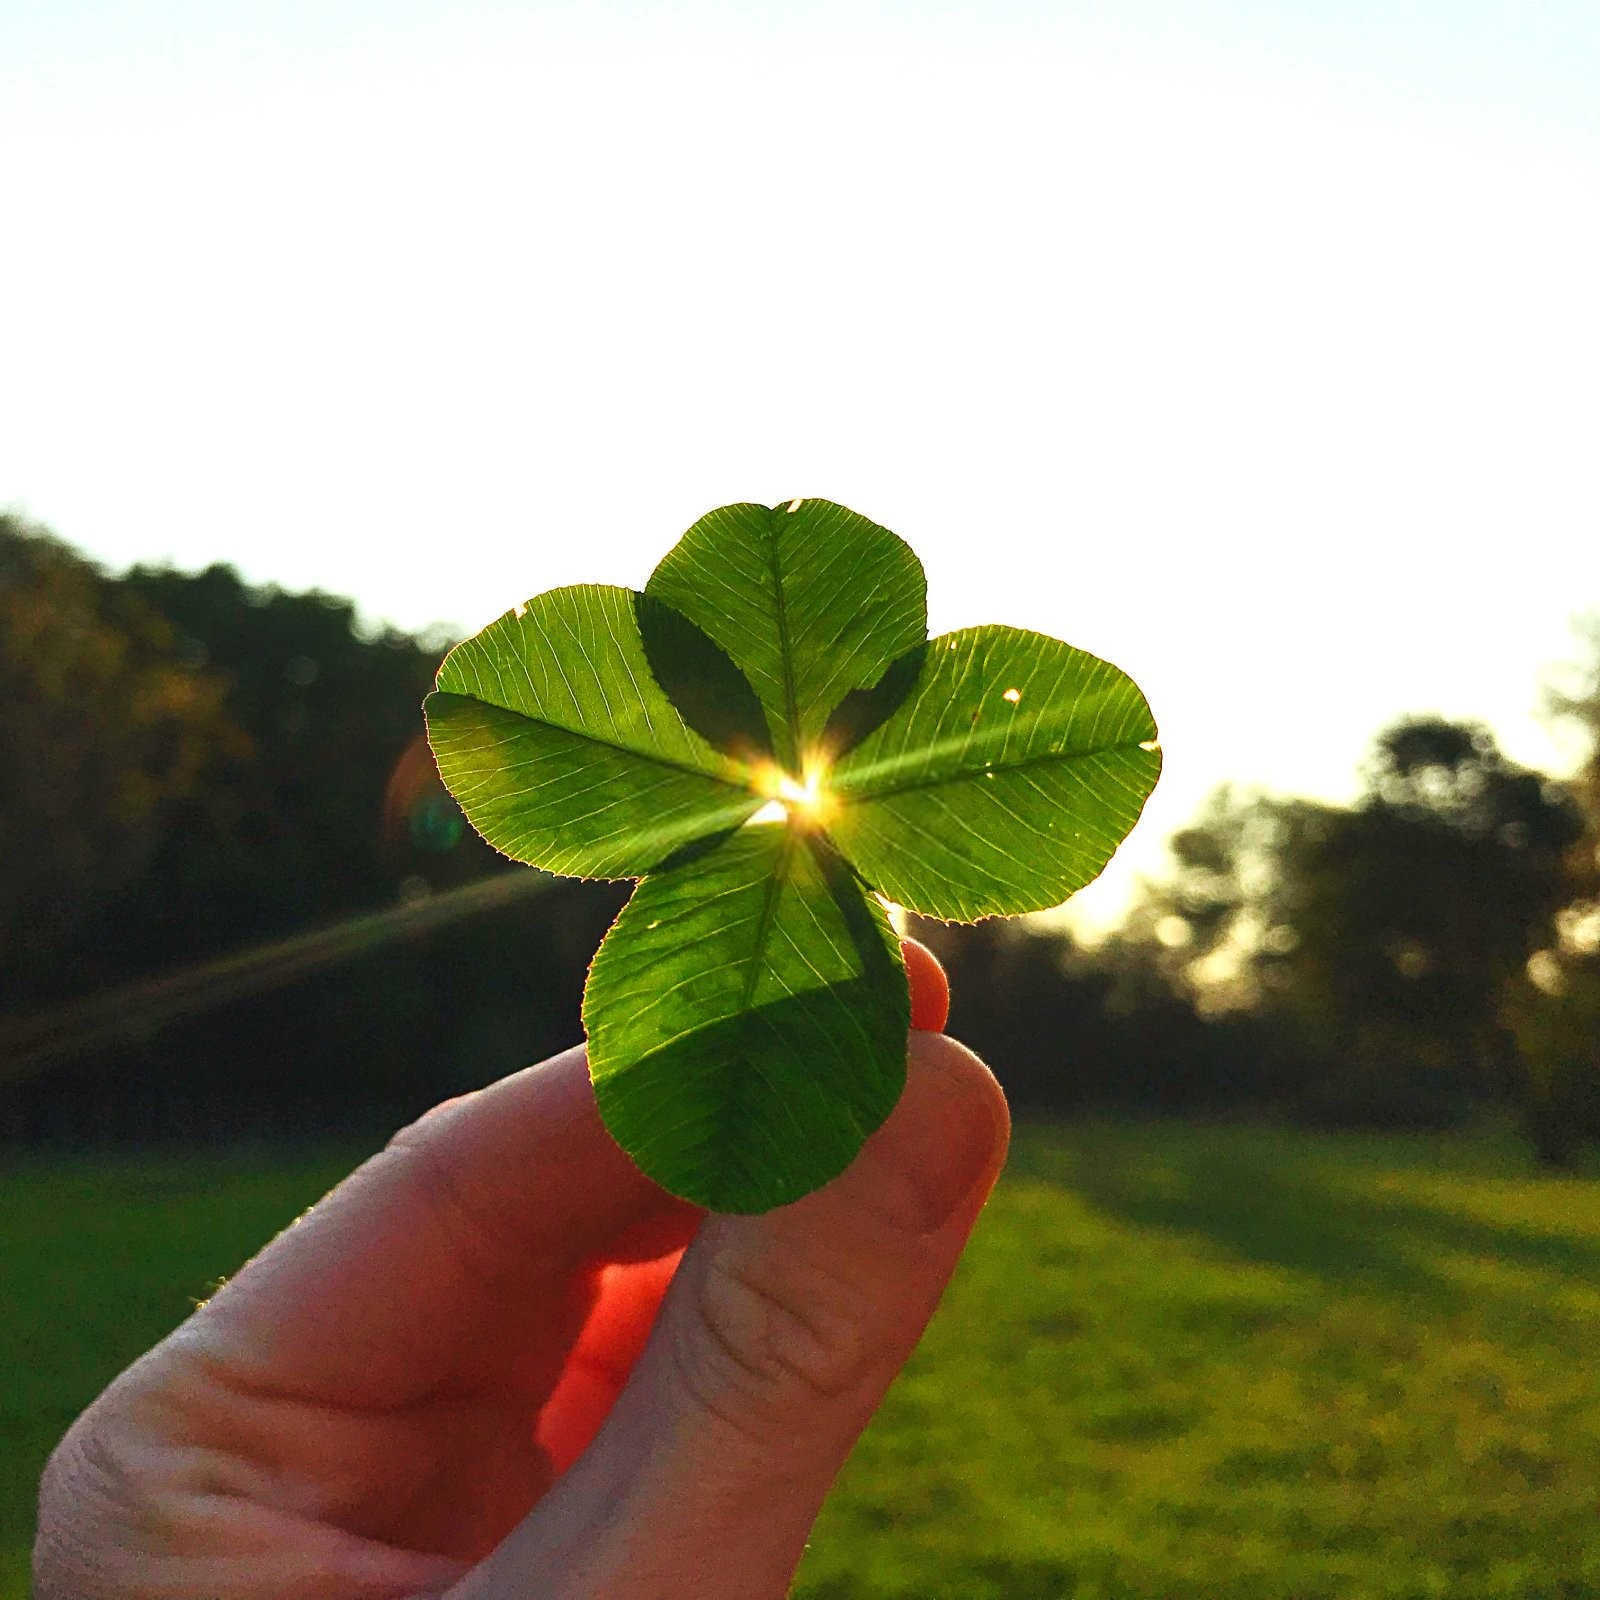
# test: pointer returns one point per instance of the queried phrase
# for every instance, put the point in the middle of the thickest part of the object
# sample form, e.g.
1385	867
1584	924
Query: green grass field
1178	1362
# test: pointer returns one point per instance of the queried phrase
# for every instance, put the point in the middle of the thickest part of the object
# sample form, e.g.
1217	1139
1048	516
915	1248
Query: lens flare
418	811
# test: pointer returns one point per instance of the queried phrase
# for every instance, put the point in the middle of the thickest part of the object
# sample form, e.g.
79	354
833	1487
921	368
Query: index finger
461	1247
468	1249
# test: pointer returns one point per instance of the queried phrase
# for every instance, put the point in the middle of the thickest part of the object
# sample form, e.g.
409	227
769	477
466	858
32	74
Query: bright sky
1255	346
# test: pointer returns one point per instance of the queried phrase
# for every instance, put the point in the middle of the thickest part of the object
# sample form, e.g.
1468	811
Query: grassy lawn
1177	1363
97	1262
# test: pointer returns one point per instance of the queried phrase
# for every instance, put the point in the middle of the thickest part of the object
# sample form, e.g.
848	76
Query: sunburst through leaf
769	741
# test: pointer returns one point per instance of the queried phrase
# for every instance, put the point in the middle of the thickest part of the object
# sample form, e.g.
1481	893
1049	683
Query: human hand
444	1379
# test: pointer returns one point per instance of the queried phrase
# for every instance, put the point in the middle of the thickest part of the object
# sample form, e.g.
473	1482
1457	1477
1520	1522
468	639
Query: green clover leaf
768	740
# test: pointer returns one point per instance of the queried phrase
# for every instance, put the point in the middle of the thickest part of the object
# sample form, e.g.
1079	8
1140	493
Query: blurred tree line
1421	958
190	767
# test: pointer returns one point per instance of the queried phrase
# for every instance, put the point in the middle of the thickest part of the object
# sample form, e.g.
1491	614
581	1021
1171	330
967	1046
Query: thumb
775	1344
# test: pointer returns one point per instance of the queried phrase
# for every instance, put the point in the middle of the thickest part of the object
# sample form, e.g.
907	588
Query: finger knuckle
772	1341
449	1205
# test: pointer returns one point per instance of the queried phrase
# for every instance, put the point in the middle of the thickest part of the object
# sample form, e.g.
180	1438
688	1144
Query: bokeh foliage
202	765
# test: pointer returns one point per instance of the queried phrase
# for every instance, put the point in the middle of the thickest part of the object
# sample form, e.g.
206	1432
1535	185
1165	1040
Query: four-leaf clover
767	739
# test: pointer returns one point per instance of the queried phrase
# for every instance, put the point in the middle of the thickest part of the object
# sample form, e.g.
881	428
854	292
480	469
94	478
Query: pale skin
496	1362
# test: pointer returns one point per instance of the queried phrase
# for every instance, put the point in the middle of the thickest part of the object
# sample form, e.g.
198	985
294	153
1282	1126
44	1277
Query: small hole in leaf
794	505
1149	744
1013	695
772	811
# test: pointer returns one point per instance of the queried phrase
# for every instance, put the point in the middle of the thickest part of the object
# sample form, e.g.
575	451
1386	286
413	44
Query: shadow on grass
1261	1206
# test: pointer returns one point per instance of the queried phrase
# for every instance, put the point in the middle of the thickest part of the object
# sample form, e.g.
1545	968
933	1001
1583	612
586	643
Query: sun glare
807	804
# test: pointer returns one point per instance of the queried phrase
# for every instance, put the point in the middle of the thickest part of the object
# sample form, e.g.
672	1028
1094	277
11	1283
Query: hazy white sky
1253	346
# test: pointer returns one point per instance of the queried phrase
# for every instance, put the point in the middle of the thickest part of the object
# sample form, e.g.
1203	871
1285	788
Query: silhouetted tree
1555	1008
105	726
194	766
302	824
1069	1029
1386	935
